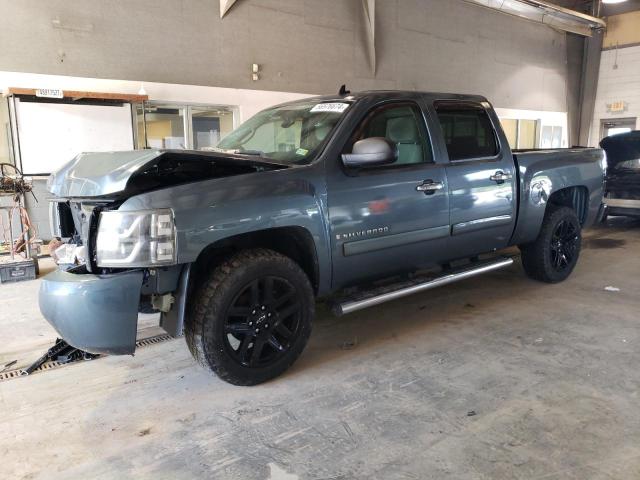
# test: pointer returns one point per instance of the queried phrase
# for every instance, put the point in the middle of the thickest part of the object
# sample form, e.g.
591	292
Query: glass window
209	125
176	126
164	127
551	137
401	125
618	130
617	126
289	134
467	130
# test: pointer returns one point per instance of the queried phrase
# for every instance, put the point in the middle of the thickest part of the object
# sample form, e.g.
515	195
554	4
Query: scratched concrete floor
493	378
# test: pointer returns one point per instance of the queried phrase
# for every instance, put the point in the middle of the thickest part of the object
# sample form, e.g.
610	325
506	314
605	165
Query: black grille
65	220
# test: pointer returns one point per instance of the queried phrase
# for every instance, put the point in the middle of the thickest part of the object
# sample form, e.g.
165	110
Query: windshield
289	134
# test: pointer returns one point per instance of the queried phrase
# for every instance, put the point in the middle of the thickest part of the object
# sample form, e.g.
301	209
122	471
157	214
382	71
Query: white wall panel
51	134
619	81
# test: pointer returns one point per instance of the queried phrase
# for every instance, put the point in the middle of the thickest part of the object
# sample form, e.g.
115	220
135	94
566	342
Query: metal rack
9	210
14	267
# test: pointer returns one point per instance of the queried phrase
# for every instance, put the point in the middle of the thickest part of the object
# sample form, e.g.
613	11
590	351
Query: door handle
500	176
429	187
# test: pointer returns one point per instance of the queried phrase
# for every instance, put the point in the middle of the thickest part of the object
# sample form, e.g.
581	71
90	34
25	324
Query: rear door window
467	130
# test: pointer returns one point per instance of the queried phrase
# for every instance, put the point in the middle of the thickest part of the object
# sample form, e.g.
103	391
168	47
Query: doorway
616	126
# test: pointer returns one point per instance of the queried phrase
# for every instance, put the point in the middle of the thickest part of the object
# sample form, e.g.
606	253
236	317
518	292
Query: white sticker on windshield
330	107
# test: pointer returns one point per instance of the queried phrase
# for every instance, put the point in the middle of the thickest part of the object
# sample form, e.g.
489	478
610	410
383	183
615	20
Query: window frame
140	134
487	110
423	129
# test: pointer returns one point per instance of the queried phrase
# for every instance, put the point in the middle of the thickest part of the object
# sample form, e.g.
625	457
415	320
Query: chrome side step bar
373	298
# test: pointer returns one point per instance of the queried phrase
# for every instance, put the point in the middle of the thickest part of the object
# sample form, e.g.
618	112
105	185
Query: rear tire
252	317
553	255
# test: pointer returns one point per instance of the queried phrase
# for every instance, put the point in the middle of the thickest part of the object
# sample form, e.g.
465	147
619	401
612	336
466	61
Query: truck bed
551	171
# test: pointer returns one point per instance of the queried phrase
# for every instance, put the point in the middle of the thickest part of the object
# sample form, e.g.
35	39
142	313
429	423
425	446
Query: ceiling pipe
546	13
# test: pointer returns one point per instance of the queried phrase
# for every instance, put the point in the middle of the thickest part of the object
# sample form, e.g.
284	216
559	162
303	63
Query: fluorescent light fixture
547	13
613	1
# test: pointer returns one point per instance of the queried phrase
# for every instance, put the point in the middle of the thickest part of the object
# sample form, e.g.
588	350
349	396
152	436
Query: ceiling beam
546	13
369	10
225	6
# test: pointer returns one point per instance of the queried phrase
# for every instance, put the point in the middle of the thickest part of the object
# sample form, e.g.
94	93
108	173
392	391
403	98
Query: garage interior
498	377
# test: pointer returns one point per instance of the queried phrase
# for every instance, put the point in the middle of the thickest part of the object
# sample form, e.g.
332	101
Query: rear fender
575	181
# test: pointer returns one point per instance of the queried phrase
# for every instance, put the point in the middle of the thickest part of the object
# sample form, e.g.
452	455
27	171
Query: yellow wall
623	30
510	127
159	129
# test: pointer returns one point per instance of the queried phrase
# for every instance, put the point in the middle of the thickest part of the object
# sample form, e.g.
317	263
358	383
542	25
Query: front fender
213	210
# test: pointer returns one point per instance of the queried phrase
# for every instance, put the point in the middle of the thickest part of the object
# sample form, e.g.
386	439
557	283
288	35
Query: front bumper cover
95	313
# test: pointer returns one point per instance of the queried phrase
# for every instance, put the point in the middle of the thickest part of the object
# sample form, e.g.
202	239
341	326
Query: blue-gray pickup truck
355	199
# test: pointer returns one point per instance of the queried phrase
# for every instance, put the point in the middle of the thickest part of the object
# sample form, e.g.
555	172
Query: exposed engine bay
74	220
175	168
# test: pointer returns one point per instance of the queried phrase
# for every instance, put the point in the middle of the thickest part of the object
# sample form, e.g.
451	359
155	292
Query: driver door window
401	125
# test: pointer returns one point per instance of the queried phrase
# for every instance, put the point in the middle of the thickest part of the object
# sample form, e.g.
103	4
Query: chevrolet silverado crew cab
355	199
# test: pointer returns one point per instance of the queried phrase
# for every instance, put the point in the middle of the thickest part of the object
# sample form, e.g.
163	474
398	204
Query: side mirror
370	152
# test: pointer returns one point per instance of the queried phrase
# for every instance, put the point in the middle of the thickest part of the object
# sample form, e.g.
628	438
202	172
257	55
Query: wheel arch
575	197
531	214
294	242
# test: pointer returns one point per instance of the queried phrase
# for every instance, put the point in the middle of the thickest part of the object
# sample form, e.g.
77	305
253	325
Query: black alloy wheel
564	242
553	255
251	316
262	321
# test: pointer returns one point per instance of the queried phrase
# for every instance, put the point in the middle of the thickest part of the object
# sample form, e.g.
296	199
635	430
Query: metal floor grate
143	342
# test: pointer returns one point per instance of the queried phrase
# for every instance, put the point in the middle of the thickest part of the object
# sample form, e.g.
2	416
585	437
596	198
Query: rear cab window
467	130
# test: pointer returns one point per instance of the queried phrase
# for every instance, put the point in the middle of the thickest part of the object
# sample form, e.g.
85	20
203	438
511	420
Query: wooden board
78	95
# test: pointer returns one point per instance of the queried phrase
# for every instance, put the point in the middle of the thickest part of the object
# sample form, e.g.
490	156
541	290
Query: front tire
554	254
252	317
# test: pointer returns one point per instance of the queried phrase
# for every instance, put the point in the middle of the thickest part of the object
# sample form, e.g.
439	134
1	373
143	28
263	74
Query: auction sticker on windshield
330	107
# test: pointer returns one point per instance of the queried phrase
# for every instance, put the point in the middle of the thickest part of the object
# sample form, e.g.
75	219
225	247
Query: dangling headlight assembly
136	239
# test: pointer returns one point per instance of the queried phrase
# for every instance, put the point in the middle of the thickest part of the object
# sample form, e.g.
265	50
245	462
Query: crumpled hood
97	174
110	173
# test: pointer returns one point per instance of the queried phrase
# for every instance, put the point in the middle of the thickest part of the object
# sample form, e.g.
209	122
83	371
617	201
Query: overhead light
547	13
142	91
613	1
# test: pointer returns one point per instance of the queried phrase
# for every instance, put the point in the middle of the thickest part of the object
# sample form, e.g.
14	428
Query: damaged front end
94	313
115	263
110	262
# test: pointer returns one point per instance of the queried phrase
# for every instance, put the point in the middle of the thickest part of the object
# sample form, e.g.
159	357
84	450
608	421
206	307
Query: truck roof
383	94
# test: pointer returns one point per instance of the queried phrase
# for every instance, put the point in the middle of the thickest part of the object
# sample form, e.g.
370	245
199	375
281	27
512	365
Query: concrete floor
493	378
